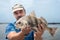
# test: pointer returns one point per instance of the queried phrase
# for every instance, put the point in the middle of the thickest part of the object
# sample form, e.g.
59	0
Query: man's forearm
17	36
38	38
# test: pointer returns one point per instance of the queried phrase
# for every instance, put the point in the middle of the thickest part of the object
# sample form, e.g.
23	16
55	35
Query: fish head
22	22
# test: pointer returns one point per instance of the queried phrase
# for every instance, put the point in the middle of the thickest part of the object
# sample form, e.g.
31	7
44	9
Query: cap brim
17	9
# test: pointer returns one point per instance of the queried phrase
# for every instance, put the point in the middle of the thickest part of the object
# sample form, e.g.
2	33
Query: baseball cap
17	7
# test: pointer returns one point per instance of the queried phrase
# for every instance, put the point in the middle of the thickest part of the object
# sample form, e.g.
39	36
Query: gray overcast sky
49	9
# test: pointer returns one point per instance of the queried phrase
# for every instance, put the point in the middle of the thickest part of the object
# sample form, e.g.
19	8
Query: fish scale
33	21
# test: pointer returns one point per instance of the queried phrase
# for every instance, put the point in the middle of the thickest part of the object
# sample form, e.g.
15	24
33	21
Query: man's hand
38	34
26	30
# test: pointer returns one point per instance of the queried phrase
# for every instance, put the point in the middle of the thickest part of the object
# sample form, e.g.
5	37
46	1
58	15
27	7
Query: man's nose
19	14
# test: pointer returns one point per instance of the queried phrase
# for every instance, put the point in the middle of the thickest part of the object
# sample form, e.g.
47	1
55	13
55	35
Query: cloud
27	3
49	9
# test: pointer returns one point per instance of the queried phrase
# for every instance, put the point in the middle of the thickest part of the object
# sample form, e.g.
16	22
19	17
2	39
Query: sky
49	9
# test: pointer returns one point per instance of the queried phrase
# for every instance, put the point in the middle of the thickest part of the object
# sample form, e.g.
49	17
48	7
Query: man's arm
20	35
15	36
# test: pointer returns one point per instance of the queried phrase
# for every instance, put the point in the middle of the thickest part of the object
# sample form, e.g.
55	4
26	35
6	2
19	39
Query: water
46	35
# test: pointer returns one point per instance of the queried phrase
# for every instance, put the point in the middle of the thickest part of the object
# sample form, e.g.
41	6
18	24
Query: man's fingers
39	27
42	26
35	34
40	30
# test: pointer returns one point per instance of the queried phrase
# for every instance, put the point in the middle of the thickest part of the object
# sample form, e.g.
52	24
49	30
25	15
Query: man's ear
32	14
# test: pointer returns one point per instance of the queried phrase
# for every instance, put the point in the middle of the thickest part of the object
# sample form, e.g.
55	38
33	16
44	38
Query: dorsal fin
32	14
43	20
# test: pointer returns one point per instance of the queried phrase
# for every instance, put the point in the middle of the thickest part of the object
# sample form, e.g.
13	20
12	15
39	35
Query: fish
33	21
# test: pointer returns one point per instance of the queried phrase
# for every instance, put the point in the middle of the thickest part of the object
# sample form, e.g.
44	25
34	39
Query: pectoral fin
52	31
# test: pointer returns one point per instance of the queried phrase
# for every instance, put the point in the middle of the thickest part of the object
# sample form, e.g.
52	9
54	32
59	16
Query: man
16	34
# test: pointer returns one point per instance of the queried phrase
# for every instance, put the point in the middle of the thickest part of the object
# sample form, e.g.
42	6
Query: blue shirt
11	28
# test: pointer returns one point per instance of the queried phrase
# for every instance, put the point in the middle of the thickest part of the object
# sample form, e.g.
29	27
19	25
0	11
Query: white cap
17	7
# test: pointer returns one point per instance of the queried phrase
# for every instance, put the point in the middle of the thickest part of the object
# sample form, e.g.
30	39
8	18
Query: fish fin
43	20
32	14
52	31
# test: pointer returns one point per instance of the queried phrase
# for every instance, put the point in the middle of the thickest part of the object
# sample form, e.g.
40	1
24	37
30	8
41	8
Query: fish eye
19	22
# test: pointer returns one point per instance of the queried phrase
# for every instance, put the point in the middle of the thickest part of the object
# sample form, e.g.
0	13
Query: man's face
19	13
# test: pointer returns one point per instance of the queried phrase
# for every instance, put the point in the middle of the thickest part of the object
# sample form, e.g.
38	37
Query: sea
46	35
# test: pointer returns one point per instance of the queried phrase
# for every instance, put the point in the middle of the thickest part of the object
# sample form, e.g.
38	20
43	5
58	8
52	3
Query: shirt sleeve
9	28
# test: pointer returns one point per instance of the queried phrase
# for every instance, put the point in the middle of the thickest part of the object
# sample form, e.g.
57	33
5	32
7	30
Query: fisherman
26	33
